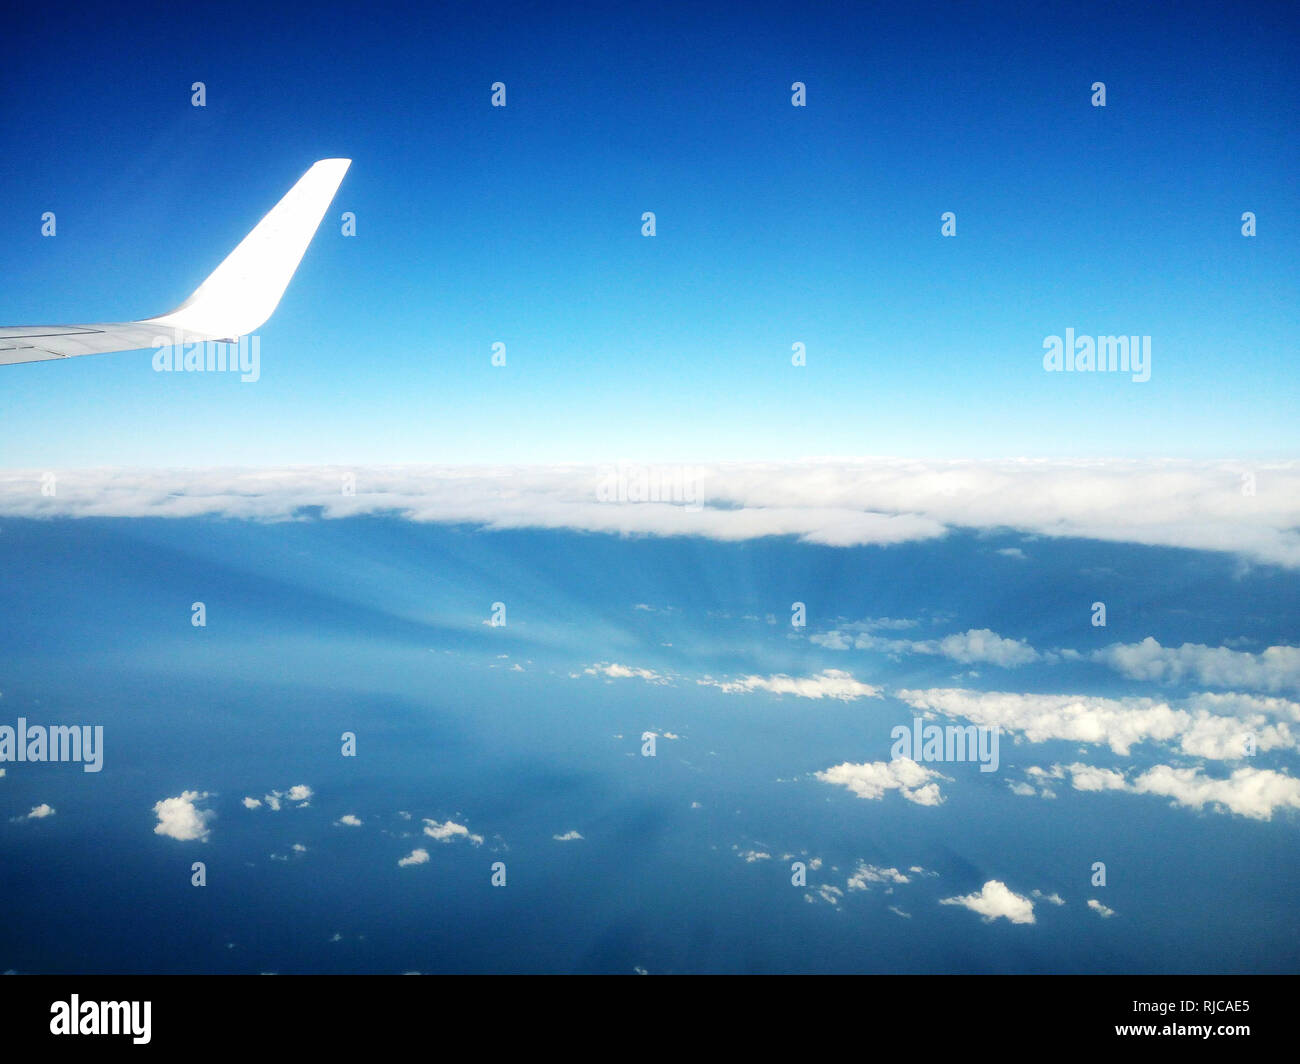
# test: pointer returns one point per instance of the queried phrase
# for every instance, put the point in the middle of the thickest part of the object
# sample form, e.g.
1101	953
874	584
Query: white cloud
865	875
899	912
568	836
977	645
1101	910
450	830
993	900
39	812
830	683
1251	792
829	894
615	671
984	645
1091	778
298	847
1119	723
1051	899
1274	669
1236	704
181	818
299	793
1012	552
750	856
871	780
417	856
350	820
1161	502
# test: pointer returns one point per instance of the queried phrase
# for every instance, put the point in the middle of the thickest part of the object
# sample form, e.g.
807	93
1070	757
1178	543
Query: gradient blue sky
776	225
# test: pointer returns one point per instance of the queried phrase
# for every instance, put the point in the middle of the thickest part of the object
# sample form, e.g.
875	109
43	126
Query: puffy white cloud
995	900
872	779
830	683
1236	704
984	645
568	836
1051	899
1119	723
299	793
1161	502
39	812
1274	669
415	857
181	818
446	832
1101	910
866	875
1251	792
350	820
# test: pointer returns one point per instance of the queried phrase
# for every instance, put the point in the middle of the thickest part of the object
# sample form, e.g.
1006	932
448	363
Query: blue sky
775	225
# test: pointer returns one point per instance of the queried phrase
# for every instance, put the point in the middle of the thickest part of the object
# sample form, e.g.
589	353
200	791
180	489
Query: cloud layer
1173	503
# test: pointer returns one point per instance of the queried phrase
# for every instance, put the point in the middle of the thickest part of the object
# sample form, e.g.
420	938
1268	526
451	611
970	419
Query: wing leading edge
237	298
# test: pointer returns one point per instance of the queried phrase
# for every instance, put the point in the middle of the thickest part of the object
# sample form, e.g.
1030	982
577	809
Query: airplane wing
234	301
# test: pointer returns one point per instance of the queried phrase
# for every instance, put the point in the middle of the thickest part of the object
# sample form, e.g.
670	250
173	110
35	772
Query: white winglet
244	290
236	299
